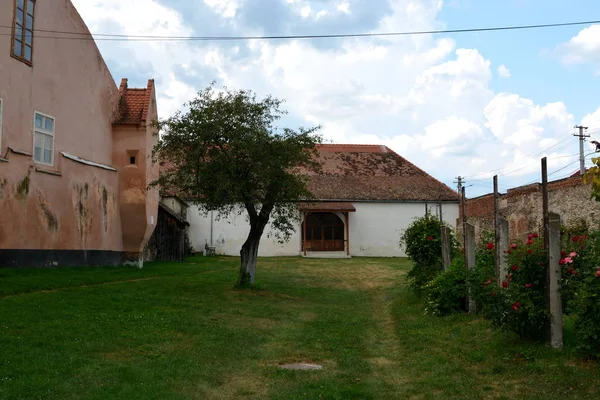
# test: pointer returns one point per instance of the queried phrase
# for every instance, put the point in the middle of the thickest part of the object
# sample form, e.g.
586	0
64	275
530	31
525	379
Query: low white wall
229	234
375	230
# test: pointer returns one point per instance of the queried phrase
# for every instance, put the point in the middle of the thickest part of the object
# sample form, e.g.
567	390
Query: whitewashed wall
375	230
229	234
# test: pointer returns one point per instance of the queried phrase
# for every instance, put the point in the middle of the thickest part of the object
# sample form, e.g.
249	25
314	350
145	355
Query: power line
518	169
565	140
158	38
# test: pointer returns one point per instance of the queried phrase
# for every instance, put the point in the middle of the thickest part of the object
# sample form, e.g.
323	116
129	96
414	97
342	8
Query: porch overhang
327	207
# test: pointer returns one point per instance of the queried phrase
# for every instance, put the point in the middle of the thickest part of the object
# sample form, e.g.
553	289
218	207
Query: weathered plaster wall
77	206
139	206
82	215
375	230
522	207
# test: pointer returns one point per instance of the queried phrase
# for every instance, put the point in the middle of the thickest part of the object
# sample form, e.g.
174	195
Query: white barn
366	195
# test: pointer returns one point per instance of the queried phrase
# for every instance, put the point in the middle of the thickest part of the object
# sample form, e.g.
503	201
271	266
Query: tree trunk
248	254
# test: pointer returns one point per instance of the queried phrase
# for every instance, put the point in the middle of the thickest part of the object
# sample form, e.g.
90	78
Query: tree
593	176
227	153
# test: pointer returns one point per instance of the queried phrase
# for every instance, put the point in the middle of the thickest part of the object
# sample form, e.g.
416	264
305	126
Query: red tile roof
327	206
367	172
133	104
372	172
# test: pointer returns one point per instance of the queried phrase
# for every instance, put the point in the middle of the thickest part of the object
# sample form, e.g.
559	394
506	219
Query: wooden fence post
553	278
470	259
446	249
501	247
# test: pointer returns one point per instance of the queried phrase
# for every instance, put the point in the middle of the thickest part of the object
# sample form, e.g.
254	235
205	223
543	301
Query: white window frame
44	132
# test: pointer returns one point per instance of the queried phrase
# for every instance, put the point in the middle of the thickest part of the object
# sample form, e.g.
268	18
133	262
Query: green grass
180	331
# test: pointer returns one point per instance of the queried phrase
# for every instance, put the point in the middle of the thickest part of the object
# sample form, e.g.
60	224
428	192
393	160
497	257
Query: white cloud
226	8
344	7
504	72
422	96
584	47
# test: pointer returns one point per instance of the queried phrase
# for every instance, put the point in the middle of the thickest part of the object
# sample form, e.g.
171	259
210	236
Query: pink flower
490	246
513	245
572	254
568	260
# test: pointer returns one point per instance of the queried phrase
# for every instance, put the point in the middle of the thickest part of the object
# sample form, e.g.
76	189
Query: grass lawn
179	331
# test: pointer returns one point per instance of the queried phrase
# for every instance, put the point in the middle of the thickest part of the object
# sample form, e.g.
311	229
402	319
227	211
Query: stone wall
522	207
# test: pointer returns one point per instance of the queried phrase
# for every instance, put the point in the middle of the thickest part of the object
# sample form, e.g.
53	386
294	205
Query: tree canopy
227	154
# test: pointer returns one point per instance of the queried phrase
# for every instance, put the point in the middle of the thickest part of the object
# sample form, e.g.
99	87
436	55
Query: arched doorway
324	232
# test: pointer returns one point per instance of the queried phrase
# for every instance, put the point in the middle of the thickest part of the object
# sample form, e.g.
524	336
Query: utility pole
459	181
581	137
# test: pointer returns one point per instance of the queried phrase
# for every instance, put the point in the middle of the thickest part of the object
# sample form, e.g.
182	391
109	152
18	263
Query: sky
469	104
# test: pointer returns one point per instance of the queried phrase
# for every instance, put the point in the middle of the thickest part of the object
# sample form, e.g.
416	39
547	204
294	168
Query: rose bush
422	244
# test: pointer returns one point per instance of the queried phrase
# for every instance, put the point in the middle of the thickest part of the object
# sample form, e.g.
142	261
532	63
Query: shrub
447	292
422	244
581	289
484	272
518	304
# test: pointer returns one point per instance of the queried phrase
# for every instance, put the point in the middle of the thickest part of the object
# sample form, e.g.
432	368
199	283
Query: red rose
430	238
509	277
490	246
528	285
516	305
529	251
513	245
597	275
507	251
575	238
535	235
505	284
529	242
563	253
514	268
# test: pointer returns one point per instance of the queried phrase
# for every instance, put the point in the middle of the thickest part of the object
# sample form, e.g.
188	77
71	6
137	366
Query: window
43	139
22	45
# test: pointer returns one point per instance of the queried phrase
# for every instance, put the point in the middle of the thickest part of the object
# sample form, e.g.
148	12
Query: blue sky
471	104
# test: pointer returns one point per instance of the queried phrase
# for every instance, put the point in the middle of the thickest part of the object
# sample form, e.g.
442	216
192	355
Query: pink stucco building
74	147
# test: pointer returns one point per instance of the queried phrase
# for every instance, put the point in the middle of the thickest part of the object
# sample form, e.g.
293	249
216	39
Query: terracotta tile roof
366	172
327	206
133	104
372	172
